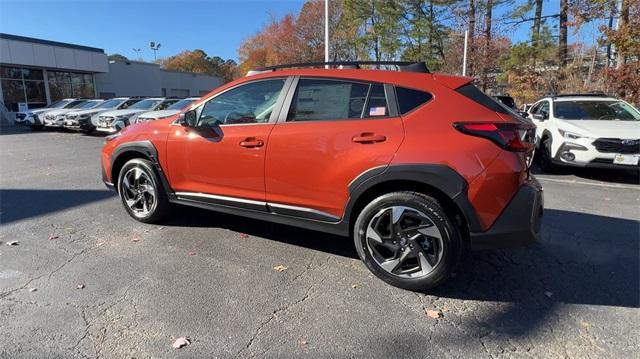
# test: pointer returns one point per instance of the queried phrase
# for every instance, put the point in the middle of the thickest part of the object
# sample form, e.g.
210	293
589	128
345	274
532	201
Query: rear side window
409	99
471	92
377	103
319	99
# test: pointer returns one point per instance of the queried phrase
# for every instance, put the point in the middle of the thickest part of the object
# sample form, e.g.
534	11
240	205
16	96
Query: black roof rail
403	66
588	94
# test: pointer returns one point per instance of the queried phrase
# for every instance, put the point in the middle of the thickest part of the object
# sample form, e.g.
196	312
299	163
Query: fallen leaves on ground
180	342
244	235
354	286
52	237
280	268
135	239
435	314
193	253
80	286
302	342
31	290
12	243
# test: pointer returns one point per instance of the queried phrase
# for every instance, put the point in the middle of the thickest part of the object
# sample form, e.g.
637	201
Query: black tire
545	160
156	209
416	205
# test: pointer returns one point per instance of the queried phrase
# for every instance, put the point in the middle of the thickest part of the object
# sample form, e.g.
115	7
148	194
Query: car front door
333	131
221	159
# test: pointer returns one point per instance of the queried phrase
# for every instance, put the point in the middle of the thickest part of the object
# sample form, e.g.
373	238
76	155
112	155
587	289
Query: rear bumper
519	223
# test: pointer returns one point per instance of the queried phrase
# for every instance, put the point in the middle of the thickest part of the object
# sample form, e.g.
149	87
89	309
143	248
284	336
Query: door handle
251	142
369	137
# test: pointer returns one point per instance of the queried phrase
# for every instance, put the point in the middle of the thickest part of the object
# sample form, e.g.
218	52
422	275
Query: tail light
510	136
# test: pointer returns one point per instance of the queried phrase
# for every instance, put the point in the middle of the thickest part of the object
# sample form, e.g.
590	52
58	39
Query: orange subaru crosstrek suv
414	166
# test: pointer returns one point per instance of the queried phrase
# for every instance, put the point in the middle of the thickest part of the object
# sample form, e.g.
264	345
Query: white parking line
597	184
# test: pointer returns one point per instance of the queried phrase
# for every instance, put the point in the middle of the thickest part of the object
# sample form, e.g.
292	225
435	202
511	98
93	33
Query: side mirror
187	119
538	116
523	114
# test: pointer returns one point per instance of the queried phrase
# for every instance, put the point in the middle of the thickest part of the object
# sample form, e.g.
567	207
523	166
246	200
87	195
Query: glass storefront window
70	84
22	85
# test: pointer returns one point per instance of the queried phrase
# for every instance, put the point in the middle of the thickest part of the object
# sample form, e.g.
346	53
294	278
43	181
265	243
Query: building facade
36	72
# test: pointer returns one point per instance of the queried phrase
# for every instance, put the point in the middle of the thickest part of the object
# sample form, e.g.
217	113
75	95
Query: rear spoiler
453	82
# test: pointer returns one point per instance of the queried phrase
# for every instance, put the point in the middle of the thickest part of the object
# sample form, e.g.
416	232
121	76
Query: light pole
137	51
464	55
154	46
326	32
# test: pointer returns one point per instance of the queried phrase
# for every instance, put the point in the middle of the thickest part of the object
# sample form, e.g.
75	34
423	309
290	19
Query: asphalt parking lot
85	280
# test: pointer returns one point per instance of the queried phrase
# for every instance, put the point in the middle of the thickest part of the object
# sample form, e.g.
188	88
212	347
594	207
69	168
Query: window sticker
377	111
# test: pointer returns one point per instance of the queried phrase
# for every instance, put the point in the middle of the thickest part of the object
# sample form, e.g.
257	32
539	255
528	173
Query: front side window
110	104
181	104
595	110
147	104
250	103
544	109
128	104
320	99
165	105
89	104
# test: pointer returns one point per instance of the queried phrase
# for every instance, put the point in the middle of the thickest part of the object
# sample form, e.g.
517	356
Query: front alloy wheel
141	191
138	192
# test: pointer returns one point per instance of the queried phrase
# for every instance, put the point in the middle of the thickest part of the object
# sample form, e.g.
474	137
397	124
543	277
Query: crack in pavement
279	310
57	269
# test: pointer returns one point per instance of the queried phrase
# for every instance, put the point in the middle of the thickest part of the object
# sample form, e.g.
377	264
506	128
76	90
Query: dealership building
36	72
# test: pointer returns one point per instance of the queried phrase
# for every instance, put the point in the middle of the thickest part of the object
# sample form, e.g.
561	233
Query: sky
215	26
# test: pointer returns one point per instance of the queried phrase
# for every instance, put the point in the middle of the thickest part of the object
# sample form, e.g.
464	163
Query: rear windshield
471	92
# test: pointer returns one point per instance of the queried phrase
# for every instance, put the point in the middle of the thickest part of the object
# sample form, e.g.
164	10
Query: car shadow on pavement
628	176
581	259
195	217
20	204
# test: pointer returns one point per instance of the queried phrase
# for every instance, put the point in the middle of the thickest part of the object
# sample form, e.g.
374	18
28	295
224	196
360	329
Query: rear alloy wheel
406	239
141	191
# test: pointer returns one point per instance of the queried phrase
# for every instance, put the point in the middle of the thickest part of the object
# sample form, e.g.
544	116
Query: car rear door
222	159
329	132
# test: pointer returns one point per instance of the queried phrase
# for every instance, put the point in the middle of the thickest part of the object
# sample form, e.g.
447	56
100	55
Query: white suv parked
586	130
35	118
114	121
55	118
174	109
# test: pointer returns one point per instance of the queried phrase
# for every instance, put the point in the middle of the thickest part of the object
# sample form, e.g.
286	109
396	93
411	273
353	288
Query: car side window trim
388	89
277	107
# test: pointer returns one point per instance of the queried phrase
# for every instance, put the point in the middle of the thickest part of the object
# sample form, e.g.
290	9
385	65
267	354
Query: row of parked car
107	116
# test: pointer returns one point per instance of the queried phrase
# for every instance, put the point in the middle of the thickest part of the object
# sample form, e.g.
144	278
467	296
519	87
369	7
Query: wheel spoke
425	265
126	184
145	206
373	234
390	264
431	231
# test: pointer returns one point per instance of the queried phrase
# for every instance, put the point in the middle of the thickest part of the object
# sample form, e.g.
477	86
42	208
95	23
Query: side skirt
339	228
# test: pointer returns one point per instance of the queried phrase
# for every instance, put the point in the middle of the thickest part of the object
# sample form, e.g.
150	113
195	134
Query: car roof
585	98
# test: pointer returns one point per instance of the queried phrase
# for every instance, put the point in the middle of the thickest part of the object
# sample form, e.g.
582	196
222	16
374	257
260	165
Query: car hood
91	111
602	128
37	111
59	111
116	113
159	114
